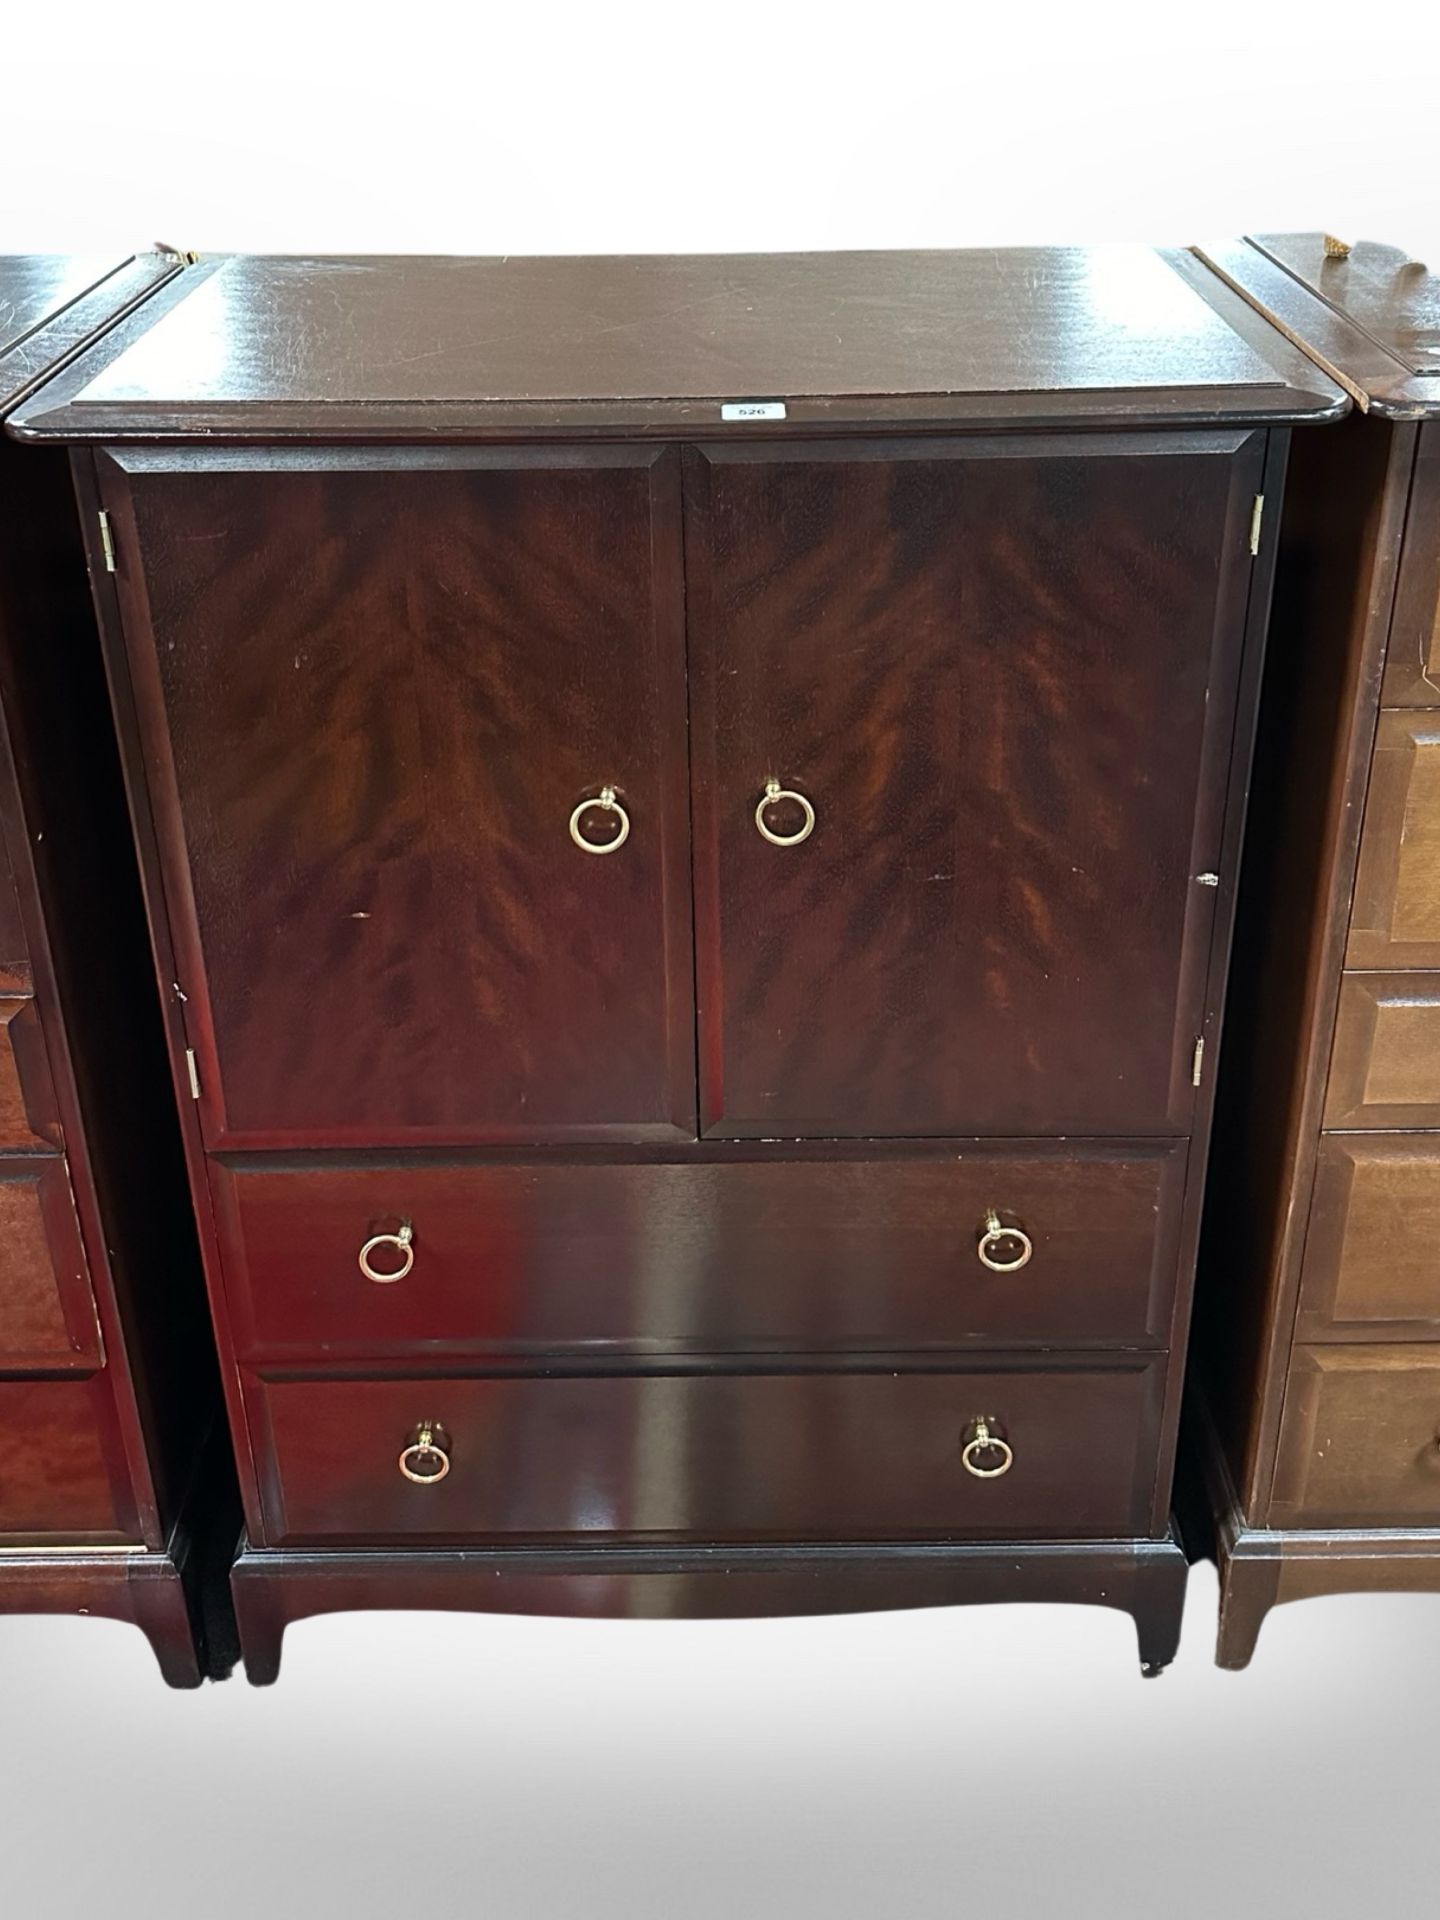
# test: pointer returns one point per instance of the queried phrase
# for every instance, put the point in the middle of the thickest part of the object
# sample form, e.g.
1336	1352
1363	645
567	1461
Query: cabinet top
53	304
1367	314
448	348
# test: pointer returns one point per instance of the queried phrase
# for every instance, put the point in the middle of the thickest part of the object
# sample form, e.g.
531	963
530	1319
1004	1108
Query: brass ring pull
983	1438
773	792
426	1460
606	798
403	1242
994	1236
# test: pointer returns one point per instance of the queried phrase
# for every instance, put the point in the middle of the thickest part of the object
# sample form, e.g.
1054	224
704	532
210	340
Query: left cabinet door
414	731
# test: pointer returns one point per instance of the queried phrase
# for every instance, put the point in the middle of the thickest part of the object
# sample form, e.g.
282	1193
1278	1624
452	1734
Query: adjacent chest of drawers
690	811
107	1390
1318	1409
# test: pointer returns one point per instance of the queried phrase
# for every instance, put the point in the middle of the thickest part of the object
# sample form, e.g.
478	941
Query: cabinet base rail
166	1594
274	1587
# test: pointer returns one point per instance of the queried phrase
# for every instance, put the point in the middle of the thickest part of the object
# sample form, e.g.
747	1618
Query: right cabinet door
962	716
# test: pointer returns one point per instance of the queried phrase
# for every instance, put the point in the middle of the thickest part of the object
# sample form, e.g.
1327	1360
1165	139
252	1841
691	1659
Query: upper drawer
723	1255
812	1456
1360	1439
1395	917
1412	663
27	1099
1372	1249
414	728
1385	1064
47	1310
963	718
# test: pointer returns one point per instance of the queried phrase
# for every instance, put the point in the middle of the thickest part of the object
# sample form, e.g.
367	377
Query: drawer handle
773	793
426	1460
986	1452
996	1238
607	800
403	1242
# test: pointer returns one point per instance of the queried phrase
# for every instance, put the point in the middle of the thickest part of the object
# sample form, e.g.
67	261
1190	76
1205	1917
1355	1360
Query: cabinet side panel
1340	541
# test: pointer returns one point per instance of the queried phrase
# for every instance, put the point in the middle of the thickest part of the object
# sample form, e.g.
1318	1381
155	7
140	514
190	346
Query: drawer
54	1440
27	1099
1360	1440
809	1456
1395	916
735	1252
1412	662
1385	1065
47	1311
1372	1253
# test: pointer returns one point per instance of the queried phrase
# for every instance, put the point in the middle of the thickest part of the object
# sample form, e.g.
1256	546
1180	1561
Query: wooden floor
1005	1760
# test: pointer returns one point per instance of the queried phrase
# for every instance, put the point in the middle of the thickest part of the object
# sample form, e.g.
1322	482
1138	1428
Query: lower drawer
1372	1249
55	1436
809	1456
1360	1439
736	1252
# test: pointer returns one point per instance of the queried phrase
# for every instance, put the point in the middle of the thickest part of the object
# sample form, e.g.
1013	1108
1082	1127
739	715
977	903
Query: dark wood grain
809	1456
1412	662
1361	1438
1143	1577
1338	550
1004	678
1370	1253
1385	1066
374	692
62	1474
98	1276
741	1251
48	1317
1395	919
411	349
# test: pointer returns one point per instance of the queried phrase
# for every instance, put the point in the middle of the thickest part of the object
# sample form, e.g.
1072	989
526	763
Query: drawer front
721	1255
381	697
1395	917
1000	676
55	1437
47	1311
1360	1441
1385	1066
27	1101
817	1456
1372	1253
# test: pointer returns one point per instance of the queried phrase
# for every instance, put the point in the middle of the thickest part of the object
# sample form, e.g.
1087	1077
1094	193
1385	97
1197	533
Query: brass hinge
1198	1065
1257	514
107	540
194	1073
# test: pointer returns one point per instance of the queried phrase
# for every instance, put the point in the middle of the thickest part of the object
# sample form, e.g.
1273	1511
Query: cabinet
108	1398
1316	1404
690	862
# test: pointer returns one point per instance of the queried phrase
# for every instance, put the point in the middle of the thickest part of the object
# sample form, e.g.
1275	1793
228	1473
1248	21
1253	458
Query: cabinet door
380	699
994	685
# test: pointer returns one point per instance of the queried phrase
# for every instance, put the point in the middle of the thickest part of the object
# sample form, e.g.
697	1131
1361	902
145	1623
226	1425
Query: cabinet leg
1247	1593
261	1625
1159	1610
162	1614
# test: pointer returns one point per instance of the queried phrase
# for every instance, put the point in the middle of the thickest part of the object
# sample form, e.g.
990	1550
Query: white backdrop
551	126
1009	1761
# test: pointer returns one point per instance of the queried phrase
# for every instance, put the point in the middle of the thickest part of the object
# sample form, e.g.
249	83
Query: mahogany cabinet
108	1392
690	812
1316	1409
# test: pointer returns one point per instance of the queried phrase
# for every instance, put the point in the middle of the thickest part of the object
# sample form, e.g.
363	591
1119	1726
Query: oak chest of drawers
107	1373
690	810
1317	1404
